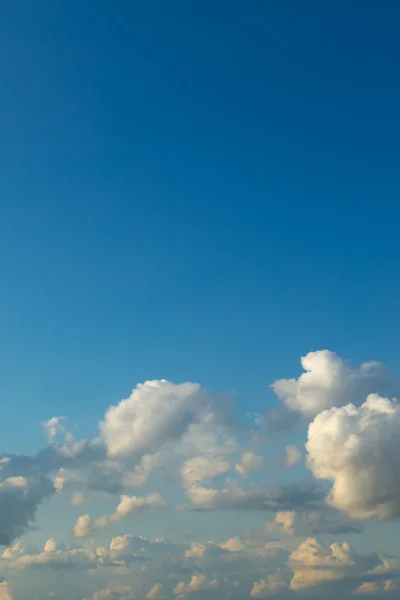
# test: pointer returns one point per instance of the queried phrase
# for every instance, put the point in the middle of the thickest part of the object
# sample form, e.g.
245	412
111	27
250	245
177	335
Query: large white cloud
330	381
358	449
157	412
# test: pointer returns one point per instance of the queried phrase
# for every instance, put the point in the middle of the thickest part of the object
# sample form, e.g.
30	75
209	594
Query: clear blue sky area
192	190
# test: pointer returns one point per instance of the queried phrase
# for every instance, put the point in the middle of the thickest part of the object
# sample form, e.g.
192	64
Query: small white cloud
197	470
155	593
249	461
293	456
377	587
127	506
197	583
79	499
271	586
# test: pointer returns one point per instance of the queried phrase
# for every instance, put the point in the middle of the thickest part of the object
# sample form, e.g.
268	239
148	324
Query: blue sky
192	191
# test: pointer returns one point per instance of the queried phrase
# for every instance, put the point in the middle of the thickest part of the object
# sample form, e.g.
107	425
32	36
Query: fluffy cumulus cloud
328	381
314	564
357	448
156	413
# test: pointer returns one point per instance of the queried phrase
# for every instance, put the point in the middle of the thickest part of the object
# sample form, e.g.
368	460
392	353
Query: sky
199	303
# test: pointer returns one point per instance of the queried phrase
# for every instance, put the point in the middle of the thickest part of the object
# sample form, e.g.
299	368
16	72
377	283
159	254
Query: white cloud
119	593
284	522
377	587
20	557
5	593
157	412
197	582
358	449
314	564
330	381
79	499
234	544
155	593
271	586
293	456
53	427
197	470
249	461
294	523
127	506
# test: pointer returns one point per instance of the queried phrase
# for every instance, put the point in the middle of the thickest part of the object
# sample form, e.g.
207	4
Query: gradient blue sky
197	191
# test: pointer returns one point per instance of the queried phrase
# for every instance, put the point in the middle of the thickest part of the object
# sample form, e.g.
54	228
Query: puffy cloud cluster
314	564
358	450
167	434
176	427
160	569
329	381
